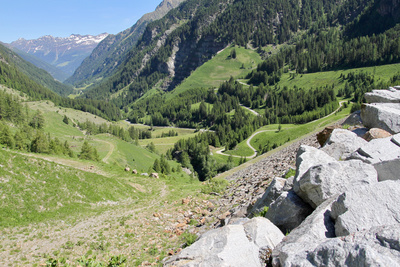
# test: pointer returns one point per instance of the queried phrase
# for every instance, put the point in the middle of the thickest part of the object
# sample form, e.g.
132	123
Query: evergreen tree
88	152
37	120
40	143
65	119
6	137
156	166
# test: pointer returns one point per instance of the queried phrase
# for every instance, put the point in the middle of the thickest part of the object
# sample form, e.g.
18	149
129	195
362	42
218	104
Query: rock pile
340	209
382	110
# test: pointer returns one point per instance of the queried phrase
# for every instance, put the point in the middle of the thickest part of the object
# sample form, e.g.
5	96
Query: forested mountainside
34	73
66	54
23	76
111	52
324	38
56	73
171	48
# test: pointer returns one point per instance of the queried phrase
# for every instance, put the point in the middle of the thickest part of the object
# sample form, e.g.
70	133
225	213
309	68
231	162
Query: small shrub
188	239
290	173
116	261
262	213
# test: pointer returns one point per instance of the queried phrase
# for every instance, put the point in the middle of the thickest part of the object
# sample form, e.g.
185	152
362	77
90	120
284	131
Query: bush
188	239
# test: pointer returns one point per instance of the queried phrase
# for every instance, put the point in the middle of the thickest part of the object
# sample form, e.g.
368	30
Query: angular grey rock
378	150
323	181
353	119
383	96
382	115
264	235
379	246
289	184
307	157
363	207
388	170
273	191
342	143
288	211
311	231
232	245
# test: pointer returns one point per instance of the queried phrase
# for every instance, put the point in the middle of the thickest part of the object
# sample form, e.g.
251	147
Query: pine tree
88	152
65	119
156	166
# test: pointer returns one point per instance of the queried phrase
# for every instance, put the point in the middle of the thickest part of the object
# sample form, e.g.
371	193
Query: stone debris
340	209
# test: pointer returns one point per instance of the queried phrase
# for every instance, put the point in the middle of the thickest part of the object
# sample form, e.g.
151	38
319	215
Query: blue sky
32	19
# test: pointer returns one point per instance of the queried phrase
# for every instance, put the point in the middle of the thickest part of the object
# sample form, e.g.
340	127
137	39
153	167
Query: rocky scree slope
340	209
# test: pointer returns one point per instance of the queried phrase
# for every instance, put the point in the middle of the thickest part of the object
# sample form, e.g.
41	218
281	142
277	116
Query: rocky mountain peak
65	53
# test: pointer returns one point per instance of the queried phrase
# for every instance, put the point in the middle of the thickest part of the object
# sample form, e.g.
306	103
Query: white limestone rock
385	116
363	207
273	191
342	143
233	245
307	157
323	181
378	150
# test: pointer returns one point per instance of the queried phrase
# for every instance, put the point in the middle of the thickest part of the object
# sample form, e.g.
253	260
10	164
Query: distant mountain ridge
112	51
64	53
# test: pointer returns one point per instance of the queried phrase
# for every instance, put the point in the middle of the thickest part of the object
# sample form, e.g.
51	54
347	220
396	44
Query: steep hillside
111	52
65	54
23	76
56	73
171	48
34	73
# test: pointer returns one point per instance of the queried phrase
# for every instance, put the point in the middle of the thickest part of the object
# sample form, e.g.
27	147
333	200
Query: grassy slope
43	190
308	81
220	69
124	154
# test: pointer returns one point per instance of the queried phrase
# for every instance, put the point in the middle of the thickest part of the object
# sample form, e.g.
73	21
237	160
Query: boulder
134	172
388	170
378	246
288	211
249	244
376	133
323	181
273	191
363	207
307	157
127	169
384	116
289	184
311	231
154	175
383	96
378	150
342	143
353	119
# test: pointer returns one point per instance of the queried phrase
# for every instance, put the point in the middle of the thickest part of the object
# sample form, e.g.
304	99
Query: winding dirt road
112	148
263	131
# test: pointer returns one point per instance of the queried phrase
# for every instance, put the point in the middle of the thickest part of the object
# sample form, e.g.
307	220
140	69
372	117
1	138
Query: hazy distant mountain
112	51
56	73
24	76
64	53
